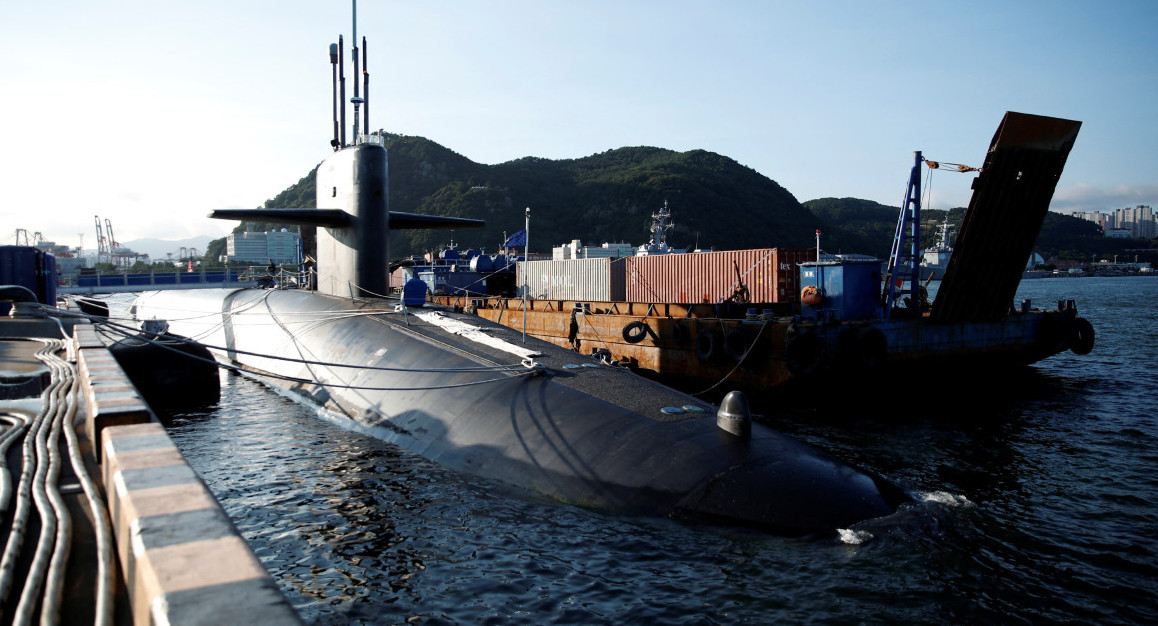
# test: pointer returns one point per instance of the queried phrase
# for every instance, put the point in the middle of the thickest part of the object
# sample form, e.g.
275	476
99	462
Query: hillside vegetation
610	197
872	226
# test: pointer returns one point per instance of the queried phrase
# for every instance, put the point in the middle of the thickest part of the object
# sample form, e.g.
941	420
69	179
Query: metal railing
300	277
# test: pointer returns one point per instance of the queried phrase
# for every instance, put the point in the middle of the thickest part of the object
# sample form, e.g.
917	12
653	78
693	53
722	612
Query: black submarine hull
565	427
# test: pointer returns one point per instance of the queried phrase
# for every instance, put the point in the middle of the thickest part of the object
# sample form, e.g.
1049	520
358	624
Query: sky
152	114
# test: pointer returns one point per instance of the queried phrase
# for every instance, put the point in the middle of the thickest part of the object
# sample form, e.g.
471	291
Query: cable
522	369
17	425
61	545
739	362
128	331
100	519
956	167
105	326
23	504
42	449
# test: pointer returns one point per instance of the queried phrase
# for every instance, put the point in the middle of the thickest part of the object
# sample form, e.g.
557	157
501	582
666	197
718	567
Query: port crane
109	250
102	243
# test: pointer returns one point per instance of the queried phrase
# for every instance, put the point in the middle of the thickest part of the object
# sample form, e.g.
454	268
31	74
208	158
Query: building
281	246
1129	223
576	250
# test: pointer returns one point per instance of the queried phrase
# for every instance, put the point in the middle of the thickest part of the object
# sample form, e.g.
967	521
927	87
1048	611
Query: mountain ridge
610	196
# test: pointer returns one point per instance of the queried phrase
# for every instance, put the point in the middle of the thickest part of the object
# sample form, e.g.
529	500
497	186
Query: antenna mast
339	87
335	60
341	95
356	100
365	90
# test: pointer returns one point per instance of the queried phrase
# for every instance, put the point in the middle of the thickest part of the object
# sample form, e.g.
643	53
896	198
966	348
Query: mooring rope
739	361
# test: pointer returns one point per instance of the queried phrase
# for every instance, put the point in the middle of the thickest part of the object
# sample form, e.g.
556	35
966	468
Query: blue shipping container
851	289
31	268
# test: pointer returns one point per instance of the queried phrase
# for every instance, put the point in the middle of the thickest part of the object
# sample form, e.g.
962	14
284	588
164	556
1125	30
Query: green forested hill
604	197
609	197
872	226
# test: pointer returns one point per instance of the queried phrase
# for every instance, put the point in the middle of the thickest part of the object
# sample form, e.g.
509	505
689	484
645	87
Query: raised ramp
1010	199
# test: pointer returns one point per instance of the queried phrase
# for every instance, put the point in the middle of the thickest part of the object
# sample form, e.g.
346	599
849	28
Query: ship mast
660	225
356	100
339	96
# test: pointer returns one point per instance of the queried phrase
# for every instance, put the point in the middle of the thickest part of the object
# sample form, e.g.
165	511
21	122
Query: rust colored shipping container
398	278
771	275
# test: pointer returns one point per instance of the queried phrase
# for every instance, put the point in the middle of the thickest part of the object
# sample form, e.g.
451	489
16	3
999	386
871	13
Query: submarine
483	399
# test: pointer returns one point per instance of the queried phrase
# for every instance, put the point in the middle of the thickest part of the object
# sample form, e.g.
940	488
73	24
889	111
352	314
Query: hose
44	582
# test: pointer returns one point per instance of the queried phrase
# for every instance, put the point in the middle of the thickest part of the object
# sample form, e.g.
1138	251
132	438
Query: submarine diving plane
479	398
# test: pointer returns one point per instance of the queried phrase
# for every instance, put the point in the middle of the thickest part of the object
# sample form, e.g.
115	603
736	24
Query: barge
851	317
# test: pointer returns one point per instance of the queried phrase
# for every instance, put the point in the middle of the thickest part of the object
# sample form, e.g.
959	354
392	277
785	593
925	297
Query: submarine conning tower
352	202
353	258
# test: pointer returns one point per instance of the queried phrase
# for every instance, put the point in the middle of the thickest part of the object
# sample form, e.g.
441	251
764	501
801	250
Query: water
1037	502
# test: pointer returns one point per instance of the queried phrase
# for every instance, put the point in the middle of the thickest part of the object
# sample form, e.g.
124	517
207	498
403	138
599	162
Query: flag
516	240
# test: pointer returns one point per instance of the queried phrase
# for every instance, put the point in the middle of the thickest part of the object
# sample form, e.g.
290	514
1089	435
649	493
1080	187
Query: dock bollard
734	416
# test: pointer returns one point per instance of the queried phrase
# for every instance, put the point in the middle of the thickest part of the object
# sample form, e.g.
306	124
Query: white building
576	250
282	246
1129	223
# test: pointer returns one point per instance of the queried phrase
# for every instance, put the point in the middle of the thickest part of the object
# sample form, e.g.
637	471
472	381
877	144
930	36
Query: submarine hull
566	427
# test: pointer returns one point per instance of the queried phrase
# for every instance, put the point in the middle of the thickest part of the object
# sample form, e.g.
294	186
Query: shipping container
31	268
770	274
399	277
597	280
845	290
442	279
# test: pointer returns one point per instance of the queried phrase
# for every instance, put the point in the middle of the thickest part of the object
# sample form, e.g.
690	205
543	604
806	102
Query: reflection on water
1037	497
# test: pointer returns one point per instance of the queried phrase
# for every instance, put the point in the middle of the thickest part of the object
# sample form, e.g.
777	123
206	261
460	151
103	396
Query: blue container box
31	268
851	290
112	280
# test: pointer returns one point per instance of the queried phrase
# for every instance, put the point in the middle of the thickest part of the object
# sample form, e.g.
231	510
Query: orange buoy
812	296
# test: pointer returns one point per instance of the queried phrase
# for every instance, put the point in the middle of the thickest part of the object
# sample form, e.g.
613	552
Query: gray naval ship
480	398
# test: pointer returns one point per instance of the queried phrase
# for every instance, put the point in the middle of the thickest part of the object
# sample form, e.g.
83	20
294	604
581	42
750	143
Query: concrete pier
133	534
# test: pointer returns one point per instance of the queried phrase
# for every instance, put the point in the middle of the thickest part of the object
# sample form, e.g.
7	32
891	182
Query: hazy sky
152	114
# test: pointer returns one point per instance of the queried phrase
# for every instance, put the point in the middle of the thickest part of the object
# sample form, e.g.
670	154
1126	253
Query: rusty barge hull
688	346
839	328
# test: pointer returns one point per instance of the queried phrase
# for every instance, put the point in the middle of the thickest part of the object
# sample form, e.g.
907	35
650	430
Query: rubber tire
705	345
804	354
872	347
737	342
1081	336
635	332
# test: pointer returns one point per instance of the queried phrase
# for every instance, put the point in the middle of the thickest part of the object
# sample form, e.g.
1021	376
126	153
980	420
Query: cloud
1086	197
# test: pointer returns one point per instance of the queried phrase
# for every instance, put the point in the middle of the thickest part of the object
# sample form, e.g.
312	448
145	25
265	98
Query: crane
102	243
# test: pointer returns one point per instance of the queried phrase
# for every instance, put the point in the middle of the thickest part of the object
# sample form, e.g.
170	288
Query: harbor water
1036	501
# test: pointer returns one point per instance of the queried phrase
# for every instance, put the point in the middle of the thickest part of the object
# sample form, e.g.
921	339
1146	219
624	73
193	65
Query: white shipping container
595	280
